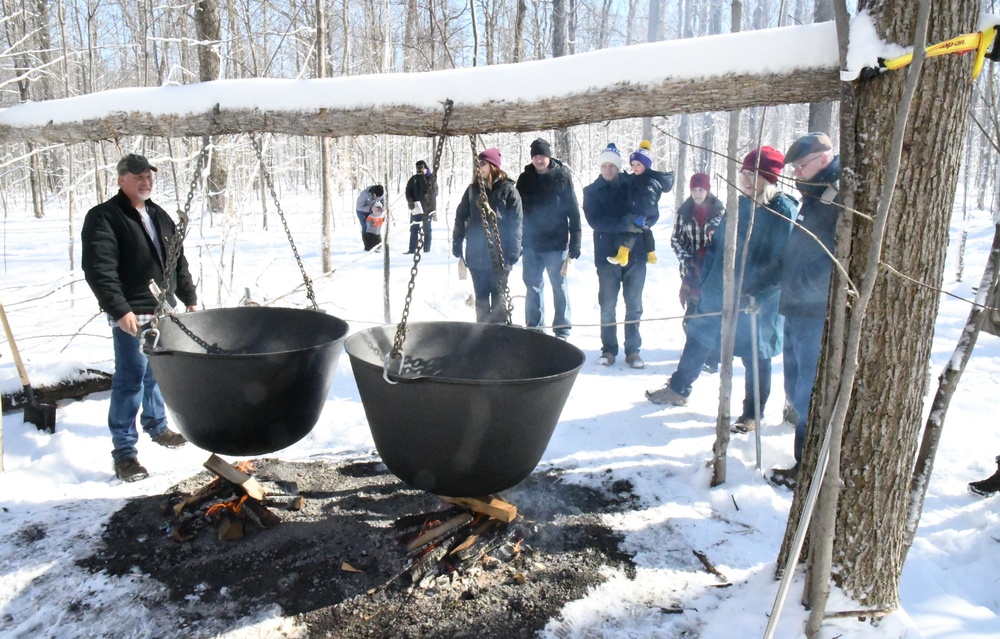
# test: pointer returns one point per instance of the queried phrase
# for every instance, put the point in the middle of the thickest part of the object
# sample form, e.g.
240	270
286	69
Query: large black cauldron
473	407
247	380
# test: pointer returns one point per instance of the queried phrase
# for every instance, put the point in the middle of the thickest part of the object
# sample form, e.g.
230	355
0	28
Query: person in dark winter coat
696	220
807	265
505	202
421	198
125	244
369	198
551	235
605	203
642	202
770	213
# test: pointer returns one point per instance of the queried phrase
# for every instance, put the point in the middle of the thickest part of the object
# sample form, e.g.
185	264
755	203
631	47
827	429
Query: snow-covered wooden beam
716	73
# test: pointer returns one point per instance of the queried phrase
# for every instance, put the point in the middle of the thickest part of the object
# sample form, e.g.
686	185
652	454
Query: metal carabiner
144	338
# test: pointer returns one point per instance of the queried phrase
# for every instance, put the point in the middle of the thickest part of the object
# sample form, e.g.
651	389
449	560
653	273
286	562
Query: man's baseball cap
135	164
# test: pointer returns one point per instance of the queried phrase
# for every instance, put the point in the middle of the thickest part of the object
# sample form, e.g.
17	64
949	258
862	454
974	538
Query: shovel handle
13	349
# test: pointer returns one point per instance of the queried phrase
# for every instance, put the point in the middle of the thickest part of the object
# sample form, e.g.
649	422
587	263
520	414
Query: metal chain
492	229
177	241
397	342
281	214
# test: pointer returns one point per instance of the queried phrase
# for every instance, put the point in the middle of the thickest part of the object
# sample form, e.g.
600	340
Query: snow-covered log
708	74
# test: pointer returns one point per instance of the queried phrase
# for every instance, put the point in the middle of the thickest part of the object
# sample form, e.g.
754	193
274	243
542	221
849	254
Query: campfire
471	530
229	502
467	531
360	560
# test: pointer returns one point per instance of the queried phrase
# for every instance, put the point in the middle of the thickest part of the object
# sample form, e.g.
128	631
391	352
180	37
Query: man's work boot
170	439
130	470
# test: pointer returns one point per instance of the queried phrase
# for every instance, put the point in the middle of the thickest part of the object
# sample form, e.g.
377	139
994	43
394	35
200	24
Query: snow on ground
57	490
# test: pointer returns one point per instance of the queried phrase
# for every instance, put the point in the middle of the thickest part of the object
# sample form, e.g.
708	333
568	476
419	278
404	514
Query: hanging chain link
397	342
177	241
492	228
281	214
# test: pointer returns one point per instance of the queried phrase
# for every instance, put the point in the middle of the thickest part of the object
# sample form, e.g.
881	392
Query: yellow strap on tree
979	42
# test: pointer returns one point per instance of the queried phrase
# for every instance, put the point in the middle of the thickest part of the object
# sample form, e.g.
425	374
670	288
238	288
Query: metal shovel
41	415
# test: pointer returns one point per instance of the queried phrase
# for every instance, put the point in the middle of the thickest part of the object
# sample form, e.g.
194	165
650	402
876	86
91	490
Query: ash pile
355	553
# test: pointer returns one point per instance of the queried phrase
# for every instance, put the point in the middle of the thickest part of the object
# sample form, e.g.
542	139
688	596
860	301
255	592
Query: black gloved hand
456	250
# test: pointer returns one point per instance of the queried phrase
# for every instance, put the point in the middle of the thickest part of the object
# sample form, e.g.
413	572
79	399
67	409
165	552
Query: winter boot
744	425
621	258
651	258
988	486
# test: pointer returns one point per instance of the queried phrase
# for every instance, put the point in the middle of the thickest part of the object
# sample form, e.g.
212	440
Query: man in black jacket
421	197
551	235
125	244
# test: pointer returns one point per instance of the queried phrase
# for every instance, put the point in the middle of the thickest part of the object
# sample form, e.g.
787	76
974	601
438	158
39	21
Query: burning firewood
491	506
238	497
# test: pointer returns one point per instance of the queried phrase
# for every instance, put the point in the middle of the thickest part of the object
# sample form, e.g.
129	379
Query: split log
266	518
439	531
224	469
490	506
203	494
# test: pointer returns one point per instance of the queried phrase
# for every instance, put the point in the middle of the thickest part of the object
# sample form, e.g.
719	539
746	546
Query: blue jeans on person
534	265
693	358
803	340
489	306
416	221
630	279
132	386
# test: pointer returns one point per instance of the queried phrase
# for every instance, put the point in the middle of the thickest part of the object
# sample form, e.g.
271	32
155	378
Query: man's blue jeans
693	358
802	344
534	265
630	280
132	385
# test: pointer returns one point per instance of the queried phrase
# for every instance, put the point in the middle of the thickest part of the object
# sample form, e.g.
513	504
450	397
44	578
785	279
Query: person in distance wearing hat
551	235
125	242
695	222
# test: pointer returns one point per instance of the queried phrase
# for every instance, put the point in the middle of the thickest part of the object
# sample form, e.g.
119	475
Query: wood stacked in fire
228	503
471	531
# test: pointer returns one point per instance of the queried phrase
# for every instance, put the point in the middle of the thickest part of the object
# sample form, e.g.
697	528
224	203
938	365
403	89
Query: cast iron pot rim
463	380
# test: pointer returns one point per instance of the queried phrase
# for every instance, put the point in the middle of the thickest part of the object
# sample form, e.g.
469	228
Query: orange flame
233	506
245	466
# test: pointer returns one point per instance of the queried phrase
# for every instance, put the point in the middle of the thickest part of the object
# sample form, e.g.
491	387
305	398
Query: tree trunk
821	113
721	445
558	50
207	28
947	384
882	422
653	34
522	9
326	173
